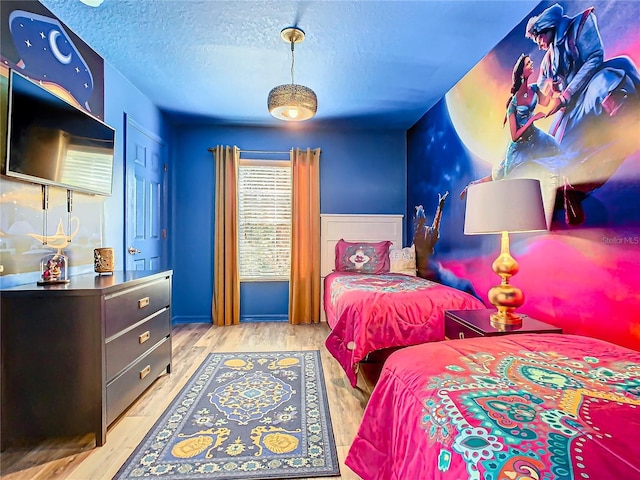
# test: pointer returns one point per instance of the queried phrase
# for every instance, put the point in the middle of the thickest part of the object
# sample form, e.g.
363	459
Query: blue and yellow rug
243	416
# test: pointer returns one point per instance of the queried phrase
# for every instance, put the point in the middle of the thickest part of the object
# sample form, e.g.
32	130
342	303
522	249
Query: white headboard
355	228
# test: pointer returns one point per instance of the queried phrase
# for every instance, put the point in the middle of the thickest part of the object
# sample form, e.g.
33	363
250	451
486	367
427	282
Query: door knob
133	250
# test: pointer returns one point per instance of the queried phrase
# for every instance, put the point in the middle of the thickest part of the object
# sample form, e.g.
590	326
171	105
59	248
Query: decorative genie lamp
54	266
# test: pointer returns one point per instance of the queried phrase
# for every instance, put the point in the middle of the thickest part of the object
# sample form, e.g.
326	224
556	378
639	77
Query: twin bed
535	406
517	407
372	313
373	300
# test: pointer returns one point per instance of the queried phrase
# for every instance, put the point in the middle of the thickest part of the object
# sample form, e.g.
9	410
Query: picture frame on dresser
76	356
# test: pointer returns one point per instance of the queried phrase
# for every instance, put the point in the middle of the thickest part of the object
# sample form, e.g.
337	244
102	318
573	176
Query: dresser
477	323
75	356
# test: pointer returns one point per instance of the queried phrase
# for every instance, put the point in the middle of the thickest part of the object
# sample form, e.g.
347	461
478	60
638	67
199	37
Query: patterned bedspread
374	312
514	407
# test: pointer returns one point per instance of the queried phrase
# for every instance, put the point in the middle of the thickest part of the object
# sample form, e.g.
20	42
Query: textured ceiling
372	64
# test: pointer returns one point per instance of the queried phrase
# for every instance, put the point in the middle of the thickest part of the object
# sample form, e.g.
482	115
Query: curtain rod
264	151
212	149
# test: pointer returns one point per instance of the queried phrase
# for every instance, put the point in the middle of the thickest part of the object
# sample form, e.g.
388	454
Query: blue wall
360	172
123	99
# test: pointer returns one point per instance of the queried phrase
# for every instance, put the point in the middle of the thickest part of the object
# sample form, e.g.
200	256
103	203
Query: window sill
263	279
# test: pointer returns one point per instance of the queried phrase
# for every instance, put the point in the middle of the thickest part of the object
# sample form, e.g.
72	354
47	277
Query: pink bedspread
514	407
373	312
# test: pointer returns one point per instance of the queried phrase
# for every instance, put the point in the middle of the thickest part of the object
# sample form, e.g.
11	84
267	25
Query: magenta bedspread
531	406
374	312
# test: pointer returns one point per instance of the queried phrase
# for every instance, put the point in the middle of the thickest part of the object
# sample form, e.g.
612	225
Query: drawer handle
145	371
143	302
461	335
144	337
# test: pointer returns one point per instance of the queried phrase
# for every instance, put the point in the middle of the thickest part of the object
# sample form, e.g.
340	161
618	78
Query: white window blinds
264	210
88	167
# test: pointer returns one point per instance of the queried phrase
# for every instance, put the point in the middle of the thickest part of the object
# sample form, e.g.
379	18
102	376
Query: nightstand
477	323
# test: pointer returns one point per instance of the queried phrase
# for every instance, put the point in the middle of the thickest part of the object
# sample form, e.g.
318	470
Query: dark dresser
75	356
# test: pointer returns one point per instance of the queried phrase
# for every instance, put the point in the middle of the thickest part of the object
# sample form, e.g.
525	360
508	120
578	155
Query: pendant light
291	102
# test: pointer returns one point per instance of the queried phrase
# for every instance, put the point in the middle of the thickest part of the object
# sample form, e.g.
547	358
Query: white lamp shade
513	205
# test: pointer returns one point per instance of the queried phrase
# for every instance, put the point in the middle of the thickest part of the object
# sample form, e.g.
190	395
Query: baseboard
264	318
190	319
243	319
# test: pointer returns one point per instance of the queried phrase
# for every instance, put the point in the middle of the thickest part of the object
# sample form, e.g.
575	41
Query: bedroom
605	245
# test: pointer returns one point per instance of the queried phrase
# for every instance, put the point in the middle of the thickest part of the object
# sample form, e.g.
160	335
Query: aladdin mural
35	43
559	100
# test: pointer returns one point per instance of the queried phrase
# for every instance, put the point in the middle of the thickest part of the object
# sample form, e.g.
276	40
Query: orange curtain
226	278
304	283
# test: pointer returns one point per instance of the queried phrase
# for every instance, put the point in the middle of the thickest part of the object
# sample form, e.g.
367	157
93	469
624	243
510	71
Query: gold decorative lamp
505	206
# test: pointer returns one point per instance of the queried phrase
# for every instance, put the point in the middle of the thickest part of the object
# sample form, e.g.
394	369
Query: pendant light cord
293	59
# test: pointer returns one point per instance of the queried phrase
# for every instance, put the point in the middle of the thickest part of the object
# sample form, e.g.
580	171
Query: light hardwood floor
79	459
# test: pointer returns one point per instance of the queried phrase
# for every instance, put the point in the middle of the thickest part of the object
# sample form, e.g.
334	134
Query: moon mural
64	59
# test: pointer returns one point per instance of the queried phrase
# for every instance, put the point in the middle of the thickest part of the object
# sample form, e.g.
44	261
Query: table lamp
505	206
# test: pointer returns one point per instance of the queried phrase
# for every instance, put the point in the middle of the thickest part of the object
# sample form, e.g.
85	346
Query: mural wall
559	100
36	44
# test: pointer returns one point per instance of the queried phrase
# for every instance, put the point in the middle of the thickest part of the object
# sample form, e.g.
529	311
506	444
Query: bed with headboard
372	298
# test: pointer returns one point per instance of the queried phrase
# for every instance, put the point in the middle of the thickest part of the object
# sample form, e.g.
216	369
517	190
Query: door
146	210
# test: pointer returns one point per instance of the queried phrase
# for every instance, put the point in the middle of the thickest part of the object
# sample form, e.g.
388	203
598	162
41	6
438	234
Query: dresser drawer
128	386
454	330
126	308
125	348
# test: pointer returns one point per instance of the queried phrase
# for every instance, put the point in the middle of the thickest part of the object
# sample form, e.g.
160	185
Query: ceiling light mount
292	35
92	3
291	102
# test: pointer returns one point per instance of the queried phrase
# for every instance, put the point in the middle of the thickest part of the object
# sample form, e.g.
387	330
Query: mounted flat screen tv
51	142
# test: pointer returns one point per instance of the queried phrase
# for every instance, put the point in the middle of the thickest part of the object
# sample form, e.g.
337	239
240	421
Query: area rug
243	416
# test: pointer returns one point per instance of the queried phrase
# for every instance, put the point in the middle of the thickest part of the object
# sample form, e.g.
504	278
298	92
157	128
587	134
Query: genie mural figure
424	240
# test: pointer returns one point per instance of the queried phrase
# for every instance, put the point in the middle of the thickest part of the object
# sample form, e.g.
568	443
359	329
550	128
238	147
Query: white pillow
403	260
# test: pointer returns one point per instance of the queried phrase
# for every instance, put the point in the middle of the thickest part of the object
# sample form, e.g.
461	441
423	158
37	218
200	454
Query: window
264	223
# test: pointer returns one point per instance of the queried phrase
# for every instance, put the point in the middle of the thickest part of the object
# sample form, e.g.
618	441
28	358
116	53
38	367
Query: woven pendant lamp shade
292	102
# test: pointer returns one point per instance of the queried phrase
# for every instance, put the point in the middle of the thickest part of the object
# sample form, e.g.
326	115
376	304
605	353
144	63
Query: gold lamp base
511	319
505	297
499	324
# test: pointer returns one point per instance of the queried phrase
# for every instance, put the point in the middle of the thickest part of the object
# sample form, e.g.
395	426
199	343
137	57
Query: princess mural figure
528	144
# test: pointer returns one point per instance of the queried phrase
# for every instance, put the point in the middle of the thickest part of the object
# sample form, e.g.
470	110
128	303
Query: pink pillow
362	257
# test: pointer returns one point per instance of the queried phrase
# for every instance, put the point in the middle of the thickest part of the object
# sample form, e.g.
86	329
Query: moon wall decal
64	59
